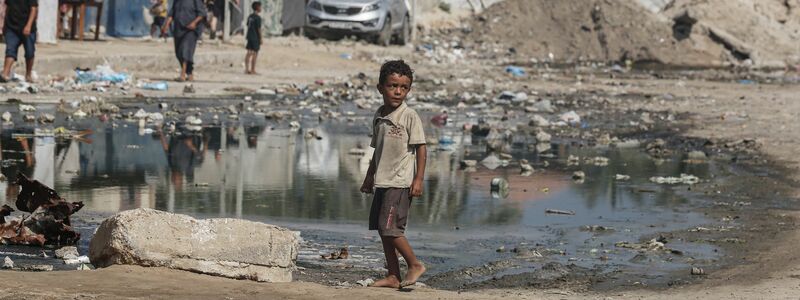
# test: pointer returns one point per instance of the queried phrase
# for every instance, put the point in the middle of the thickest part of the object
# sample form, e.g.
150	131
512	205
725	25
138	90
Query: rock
223	247
537	120
570	117
37	268
578	175
543	137
189	89
697	155
6	117
8	263
69	252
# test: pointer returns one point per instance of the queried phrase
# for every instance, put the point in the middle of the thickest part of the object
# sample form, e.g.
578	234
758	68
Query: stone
231	248
69	252
8	263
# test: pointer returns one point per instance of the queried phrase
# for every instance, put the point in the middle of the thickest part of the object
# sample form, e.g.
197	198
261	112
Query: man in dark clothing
187	15
20	29
254	39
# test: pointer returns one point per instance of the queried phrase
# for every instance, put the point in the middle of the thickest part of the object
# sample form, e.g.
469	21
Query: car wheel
385	36
405	33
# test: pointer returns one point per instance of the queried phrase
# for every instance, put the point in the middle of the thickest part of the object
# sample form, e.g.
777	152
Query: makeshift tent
293	15
125	18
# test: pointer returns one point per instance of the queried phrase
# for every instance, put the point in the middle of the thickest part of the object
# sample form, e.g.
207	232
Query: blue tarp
125	18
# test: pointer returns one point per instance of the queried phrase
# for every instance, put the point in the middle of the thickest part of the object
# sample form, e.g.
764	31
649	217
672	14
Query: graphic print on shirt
396	131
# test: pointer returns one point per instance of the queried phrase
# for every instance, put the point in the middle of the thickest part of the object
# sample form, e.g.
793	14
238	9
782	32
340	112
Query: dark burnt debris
48	222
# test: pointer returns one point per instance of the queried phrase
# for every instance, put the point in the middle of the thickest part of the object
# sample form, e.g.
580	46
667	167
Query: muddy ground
745	127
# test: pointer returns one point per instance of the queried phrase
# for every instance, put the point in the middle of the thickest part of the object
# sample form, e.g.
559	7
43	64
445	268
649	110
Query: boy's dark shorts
15	39
389	213
159	21
253	45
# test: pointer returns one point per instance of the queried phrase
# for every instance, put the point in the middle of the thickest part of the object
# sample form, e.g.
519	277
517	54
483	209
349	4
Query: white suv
382	21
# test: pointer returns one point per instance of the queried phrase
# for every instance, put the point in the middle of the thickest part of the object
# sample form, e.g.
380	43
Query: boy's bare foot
180	79
388	282
190	78
29	79
414	272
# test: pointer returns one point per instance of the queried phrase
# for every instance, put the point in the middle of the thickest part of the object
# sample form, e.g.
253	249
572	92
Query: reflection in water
256	171
275	174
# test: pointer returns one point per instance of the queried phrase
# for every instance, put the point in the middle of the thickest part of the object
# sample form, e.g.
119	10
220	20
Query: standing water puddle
266	171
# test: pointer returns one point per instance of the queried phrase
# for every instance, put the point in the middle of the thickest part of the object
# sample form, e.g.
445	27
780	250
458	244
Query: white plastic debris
683	179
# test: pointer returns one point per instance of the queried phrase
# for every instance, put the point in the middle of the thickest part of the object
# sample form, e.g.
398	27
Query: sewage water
269	172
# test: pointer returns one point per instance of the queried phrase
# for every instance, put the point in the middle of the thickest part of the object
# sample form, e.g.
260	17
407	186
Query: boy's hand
192	26
416	188
164	29
26	31
368	186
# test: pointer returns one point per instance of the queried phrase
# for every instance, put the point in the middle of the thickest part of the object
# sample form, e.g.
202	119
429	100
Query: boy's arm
31	19
369	181
422	157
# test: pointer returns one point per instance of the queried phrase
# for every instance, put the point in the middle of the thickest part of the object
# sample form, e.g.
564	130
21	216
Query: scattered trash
48	223
683	179
365	282
570	117
8	263
559	212
36	268
516	71
468	163
341	254
154	86
101	73
698	271
499	188
525	167
187	89
597	228
622	177
578	175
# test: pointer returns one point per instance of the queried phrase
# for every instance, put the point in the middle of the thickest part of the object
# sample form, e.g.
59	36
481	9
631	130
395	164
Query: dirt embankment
710	33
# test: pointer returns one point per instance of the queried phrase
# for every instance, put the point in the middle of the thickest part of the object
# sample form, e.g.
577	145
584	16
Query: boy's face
258	8
395	90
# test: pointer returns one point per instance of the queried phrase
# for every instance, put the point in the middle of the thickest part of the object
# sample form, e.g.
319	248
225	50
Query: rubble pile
48	222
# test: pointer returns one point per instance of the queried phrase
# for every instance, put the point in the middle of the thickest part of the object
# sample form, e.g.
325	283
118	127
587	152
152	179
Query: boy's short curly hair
255	4
398	67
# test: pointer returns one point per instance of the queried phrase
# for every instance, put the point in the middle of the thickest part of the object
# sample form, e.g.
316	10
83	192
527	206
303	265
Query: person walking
187	16
20	29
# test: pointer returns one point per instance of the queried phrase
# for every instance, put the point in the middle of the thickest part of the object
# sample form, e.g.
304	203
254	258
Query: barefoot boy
254	39
396	171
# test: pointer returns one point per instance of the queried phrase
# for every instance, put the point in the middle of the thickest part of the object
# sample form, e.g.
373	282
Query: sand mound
682	32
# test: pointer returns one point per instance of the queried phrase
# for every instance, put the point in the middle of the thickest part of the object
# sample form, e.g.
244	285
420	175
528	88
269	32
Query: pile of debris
48	222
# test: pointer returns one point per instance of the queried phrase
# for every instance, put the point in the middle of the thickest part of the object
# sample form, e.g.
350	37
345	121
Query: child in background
254	39
159	12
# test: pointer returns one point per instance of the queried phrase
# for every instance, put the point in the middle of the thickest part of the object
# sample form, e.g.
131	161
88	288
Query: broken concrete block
222	247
